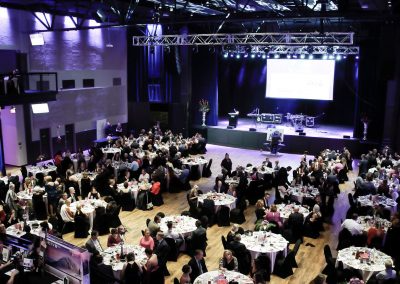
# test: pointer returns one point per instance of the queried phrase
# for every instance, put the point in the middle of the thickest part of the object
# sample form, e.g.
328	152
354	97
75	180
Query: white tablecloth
286	209
41	169
220	199
88	208
261	170
183	225
109	257
368	221
110	150
17	229
214	276
195	161
299	193
265	242
371	200
367	268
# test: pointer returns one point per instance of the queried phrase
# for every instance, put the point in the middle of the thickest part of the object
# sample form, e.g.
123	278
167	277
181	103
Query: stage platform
315	139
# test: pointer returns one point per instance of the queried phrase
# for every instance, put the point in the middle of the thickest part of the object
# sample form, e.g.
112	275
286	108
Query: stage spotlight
264	56
331	56
338	57
302	56
268	56
231	54
288	56
238	56
225	55
311	56
276	56
357	57
325	56
295	56
344	56
246	55
258	55
253	55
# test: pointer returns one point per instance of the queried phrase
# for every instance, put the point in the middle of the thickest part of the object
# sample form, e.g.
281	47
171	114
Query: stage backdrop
242	84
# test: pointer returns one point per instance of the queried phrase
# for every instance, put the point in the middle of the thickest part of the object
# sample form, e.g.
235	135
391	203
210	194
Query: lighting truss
288	49
340	39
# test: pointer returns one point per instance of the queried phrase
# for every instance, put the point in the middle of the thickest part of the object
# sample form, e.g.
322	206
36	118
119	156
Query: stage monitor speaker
302	133
252	129
346	136
230	127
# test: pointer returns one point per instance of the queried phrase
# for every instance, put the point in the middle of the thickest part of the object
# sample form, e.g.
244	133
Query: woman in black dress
131	272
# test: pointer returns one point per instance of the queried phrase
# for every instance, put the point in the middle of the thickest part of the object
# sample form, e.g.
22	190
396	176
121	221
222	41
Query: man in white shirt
352	225
388	273
173	235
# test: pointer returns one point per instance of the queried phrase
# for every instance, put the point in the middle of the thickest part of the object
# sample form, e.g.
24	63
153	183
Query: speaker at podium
233	118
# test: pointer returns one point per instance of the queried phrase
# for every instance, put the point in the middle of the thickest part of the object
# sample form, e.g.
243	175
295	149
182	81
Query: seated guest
173	235
102	273
274	215
94	194
72	195
228	261
144	176
147	241
131	272
28	235
3	214
61	202
154	225
231	235
219	186
227	164
185	278
197	265
237	247
352	225
375	232
66	214
313	222
93	243
388	273
383	188
11	218
260	269
114	238
260	209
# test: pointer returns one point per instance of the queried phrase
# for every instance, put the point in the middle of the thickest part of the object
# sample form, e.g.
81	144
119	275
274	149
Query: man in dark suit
197	264
267	163
28	236
238	249
363	165
101	273
93	243
198	239
266	199
161	250
296	223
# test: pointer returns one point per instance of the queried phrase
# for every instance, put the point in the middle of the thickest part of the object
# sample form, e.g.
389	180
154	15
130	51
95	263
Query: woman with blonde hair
228	261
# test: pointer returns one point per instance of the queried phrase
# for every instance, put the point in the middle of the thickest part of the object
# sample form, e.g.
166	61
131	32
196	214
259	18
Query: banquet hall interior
199	141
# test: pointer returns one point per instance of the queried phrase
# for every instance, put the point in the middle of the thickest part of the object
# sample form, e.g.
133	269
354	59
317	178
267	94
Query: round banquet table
264	170
41	169
286	209
111	257
367	268
88	208
183	225
220	199
17	230
110	150
368	222
298	193
195	161
371	200
215	275
265	242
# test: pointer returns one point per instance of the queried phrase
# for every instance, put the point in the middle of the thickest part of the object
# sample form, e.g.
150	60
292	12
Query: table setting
261	170
367	261
111	150
195	161
222	277
112	256
371	200
220	199
17	230
286	209
45	169
265	242
368	222
299	193
88	207
183	225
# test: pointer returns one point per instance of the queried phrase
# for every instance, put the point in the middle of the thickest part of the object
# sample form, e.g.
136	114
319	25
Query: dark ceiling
210	16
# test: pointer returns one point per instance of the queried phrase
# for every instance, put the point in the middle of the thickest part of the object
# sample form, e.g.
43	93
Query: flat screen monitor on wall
40	108
300	79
